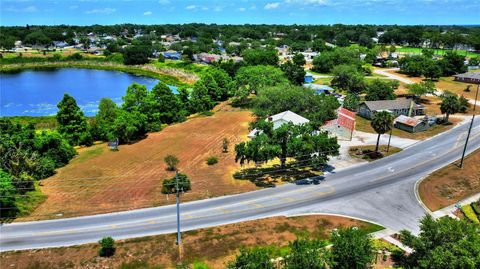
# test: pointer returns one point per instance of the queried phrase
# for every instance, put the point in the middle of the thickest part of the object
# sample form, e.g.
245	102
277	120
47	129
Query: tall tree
348	78
421	89
107	113
164	107
380	90
250	79
71	122
308	254
382	123
299	59
295	141
442	243
294	73
351	249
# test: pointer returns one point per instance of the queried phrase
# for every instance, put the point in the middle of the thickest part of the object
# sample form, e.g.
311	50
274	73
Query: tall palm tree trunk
378	142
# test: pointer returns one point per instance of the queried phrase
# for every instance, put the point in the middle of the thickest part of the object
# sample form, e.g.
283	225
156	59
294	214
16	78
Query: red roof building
343	126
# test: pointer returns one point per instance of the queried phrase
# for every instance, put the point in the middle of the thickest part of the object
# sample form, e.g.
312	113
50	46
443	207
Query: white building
280	119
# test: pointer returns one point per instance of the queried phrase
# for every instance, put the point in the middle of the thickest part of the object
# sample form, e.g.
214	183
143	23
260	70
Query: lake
36	93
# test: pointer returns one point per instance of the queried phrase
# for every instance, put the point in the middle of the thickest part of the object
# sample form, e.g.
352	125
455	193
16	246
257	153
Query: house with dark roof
343	126
469	77
399	106
410	125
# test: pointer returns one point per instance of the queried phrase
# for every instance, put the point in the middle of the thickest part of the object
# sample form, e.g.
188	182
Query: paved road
381	191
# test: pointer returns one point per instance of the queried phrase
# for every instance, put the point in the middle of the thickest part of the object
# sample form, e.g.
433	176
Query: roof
345	118
317	87
399	103
289	116
408	120
469	75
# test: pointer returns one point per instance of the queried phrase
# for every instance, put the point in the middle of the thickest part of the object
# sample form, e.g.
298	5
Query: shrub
212	160
476	208
107	247
172	162
469	213
206	113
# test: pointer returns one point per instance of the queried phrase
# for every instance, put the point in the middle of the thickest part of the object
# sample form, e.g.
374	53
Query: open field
100	181
213	246
410	50
363	125
451	183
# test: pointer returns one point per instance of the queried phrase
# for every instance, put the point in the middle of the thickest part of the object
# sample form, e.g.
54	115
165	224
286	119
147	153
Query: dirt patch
101	181
451	183
368	152
214	246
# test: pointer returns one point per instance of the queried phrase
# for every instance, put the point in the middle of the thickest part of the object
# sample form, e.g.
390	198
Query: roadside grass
213	247
363	125
368	152
27	202
451	183
185	66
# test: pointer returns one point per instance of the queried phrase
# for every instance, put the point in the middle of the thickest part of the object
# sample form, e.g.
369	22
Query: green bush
476	208
107	247
212	160
206	113
169	185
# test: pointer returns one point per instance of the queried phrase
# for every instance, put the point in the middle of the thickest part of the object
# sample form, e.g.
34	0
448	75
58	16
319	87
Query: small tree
171	161
225	144
421	89
463	104
381	123
307	253
169	185
351	102
107	247
255	258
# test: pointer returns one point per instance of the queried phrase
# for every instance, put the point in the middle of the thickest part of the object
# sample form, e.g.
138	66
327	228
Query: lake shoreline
143	70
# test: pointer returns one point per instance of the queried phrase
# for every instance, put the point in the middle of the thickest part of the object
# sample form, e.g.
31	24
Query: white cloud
28	9
271	5
147	13
242	9
307	2
190	7
106	10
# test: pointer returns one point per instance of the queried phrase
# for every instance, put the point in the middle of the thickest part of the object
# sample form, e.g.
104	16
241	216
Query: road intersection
382	192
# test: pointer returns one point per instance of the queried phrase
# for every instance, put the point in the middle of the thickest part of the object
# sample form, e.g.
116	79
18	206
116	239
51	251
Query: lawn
435	51
363	125
212	246
100	180
362	152
451	183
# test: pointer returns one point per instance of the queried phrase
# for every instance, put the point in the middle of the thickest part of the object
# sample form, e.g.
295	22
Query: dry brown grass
451	183
215	246
108	181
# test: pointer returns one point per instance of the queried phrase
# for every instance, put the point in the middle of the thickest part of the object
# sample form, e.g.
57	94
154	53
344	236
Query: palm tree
449	105
382	123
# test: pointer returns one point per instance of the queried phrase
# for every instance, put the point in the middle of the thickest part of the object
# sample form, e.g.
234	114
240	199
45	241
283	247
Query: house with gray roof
399	106
469	77
280	119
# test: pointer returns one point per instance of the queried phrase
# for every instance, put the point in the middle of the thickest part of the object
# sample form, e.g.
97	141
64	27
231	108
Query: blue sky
87	12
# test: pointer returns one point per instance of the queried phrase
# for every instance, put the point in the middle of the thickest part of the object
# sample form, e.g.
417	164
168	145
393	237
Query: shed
410	125
343	126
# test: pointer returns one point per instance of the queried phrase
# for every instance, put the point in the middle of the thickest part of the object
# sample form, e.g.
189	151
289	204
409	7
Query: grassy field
451	183
213	247
100	181
363	125
411	50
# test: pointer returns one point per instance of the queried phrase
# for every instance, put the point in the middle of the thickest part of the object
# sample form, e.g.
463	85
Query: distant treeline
296	36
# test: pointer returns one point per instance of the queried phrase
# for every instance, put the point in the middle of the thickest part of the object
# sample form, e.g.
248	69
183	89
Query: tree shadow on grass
267	177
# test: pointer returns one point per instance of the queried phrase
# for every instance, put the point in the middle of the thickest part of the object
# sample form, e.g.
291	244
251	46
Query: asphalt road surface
381	192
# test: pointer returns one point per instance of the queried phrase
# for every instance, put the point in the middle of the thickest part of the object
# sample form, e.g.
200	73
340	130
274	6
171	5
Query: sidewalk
448	211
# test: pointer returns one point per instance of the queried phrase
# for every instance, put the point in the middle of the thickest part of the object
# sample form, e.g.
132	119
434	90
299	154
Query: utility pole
179	238
470	128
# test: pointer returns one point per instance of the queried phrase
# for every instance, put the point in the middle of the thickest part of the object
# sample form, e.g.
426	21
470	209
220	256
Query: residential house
173	55
410	125
399	106
343	126
280	119
320	89
469	77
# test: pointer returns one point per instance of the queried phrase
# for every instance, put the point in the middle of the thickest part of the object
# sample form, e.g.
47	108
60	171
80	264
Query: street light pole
469	128
179	238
